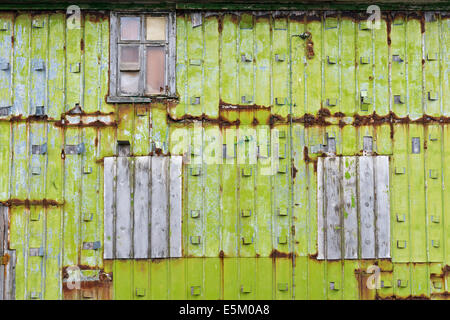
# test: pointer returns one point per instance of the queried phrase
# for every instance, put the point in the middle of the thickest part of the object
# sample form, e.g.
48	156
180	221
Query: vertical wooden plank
228	66
176	203
280	66
366	190
350	200
414	66
141	207
72	184
364	69
159	219
381	69
332	198
297	51
74	66
282	190
399	63
124	196
229	195
181	67
36	247
262	61
5	156
195	193
382	206
400	196
211	89
246	158
195	55
38	161
6	54
313	65
92	52
417	204
263	190
349	97
445	62
39	63
53	264
109	189
331	63
246	66
446	199
431	66
213	158
19	243
22	38
56	66
321	192
433	195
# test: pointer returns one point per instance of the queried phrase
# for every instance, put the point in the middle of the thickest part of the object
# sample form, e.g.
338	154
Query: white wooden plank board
109	207
141	207
175	206
159	219
382	206
366	207
123	209
332	198
350	210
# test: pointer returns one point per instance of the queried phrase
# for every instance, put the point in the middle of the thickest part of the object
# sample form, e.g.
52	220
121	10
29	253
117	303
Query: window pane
129	82
129	58
156	28
129	28
156	61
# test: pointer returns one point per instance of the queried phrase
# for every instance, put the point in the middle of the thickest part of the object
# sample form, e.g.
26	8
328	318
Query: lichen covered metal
287	79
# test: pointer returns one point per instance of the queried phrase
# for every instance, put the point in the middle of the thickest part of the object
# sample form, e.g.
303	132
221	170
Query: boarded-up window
142	56
353	207
142	207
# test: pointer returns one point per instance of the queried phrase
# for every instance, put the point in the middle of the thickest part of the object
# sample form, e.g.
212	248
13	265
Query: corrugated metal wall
249	71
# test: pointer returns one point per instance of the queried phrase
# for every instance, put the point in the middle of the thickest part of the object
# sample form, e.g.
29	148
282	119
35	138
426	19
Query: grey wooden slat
366	197
175	193
109	207
332	207
141	207
350	210
382	206
159	221
320	210
123	209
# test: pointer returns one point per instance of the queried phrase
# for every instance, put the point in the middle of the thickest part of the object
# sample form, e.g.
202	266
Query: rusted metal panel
289	89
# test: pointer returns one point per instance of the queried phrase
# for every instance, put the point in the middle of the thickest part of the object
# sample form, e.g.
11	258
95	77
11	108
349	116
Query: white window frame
115	96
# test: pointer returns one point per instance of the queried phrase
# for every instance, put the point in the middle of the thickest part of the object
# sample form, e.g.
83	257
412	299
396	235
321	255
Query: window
142	55
353	207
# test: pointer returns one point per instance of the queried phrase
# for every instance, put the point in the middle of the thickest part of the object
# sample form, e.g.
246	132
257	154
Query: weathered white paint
382	206
176	167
